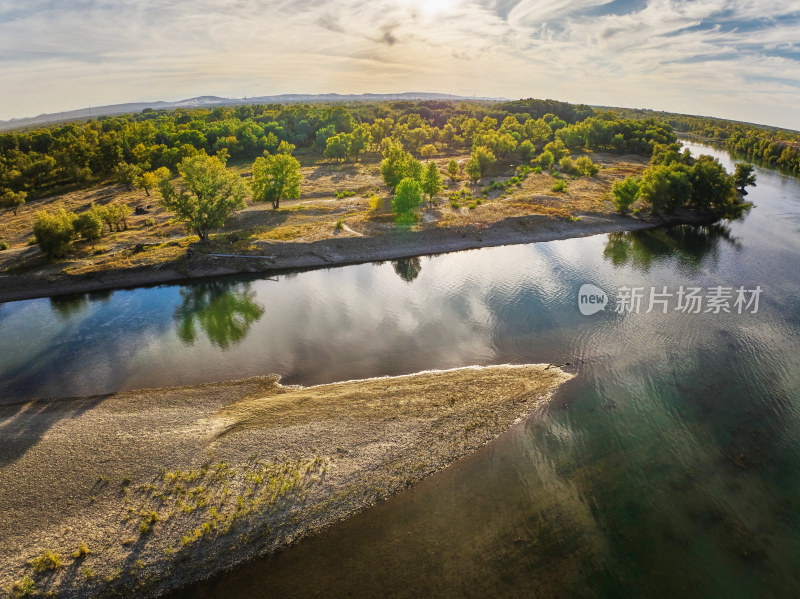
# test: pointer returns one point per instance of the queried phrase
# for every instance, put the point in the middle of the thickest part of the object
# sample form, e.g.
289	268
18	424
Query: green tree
151	179
625	194
744	175
557	149
127	174
54	232
89	225
538	132
427	151
431	181
398	164
285	148
546	159
12	200
666	188
360	138
276	178
712	187
586	167
452	170
338	146
407	198
526	150
207	195
484	158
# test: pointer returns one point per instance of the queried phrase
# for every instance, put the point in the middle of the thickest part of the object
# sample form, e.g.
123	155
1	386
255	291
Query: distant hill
212	101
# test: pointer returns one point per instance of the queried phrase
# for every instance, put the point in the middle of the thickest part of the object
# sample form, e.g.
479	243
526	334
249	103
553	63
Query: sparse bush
3	246
566	165
374	201
339	225
340	195
560	186
454	204
149	222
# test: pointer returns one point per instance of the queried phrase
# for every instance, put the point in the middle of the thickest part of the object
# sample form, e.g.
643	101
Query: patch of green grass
340	195
48	560
560	186
454	204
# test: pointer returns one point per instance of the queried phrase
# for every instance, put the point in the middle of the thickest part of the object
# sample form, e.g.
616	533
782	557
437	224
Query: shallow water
669	466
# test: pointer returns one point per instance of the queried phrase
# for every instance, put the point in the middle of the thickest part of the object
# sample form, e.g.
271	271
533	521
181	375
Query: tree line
770	146
125	148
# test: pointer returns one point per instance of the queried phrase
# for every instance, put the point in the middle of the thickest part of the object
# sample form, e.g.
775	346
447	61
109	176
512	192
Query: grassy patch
47	561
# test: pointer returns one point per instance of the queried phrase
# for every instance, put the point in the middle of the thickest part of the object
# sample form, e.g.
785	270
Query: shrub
546	160
625	194
560	186
3	246
81	551
586	167
46	561
54	232
22	587
374	201
89	225
149	222
339	225
344	194
454	204
566	165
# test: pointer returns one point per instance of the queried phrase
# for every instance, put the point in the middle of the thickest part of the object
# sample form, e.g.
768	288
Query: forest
48	160
770	146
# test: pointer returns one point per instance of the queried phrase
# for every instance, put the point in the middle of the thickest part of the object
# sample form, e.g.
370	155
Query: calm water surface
670	466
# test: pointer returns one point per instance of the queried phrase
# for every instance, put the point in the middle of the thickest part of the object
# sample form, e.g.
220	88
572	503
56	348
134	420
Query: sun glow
432	7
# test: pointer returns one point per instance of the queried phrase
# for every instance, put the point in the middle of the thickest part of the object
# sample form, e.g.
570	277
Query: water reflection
407	268
68	306
689	245
223	310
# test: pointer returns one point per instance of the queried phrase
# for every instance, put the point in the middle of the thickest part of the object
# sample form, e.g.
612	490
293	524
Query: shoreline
295	256
145	492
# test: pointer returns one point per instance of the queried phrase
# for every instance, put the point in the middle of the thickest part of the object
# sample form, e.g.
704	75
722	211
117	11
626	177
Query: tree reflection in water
407	268
688	244
224	311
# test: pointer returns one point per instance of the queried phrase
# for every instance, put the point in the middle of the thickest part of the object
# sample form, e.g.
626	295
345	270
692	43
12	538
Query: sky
737	59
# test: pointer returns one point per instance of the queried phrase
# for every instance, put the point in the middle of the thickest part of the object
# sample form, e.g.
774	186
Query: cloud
686	55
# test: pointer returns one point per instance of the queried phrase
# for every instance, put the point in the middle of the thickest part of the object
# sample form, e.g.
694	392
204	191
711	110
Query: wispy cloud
731	58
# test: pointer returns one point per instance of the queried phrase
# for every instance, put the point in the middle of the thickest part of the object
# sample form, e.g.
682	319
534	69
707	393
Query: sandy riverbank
141	492
282	256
